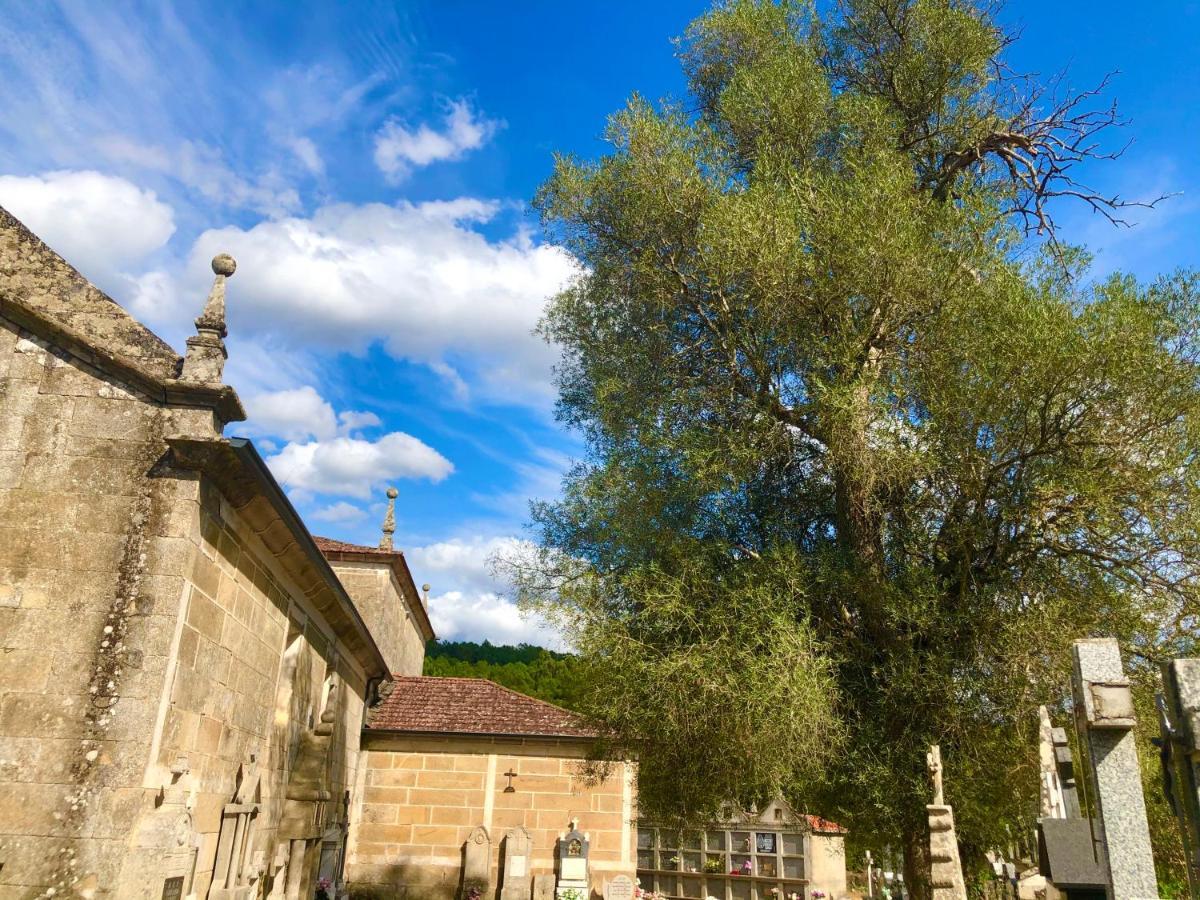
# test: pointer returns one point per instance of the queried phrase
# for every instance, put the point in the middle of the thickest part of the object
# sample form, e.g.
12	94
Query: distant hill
535	671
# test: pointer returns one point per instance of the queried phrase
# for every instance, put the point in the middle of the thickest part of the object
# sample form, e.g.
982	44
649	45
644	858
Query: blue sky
370	166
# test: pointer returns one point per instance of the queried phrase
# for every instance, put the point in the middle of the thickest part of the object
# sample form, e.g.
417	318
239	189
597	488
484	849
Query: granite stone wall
380	601
421	797
96	534
144	627
252	671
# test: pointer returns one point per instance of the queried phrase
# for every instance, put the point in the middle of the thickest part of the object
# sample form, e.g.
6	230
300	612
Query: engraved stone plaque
574	868
620	888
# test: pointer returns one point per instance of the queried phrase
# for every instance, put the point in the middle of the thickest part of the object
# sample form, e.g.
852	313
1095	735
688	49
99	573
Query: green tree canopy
866	454
536	671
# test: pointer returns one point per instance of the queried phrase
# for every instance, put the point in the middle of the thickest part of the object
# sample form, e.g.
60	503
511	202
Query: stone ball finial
392	493
425	587
224	264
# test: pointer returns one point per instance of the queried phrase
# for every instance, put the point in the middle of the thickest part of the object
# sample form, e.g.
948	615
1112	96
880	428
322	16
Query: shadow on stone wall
406	881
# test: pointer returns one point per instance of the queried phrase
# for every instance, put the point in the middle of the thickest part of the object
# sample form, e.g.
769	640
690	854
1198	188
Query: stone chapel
198	697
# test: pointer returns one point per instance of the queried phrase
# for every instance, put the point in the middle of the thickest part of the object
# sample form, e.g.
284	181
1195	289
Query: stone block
205	616
35	809
470	781
449	815
46	715
25	670
392	777
12	467
118	419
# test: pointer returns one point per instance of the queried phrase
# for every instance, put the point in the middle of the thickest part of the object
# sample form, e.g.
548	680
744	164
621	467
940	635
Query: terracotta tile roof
816	823
327	545
471	706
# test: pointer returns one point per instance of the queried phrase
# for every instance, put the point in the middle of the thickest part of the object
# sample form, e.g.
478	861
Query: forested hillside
535	671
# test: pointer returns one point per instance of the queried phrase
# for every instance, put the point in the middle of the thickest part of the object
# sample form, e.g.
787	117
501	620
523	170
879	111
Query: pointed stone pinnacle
389	520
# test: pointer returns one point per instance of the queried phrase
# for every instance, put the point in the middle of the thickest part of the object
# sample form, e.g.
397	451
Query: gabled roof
471	706
34	276
341	551
335	546
44	294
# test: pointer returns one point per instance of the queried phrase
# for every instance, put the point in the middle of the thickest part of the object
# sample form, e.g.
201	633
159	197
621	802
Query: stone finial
205	358
389	520
425	593
933	766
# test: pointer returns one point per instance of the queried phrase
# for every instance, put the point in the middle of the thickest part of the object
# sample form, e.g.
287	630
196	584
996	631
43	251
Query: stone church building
199	698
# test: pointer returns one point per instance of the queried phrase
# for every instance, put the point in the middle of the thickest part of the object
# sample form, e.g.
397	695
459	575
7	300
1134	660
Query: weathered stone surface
518	850
477	859
126	645
1114	769
1180	727
543	887
946	878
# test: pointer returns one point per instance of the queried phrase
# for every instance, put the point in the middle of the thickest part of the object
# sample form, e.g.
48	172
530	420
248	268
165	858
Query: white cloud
203	168
298	414
416	277
491	617
464	563
294	415
338	512
468	602
350	420
103	225
352	466
306	151
399	149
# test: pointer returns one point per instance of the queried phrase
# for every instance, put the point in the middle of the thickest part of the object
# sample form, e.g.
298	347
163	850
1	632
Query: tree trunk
916	864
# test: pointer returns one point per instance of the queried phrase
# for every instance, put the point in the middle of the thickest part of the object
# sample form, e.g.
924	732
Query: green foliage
553	677
864	457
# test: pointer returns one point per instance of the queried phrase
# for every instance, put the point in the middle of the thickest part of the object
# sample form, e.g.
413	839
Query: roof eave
242	476
490	735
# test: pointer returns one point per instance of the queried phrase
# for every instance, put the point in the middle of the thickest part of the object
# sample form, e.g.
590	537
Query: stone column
1179	719
1105	716
946	878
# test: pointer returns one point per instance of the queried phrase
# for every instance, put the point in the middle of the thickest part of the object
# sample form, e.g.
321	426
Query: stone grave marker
946	878
573	849
619	888
477	862
1179	721
518	847
543	887
1104	710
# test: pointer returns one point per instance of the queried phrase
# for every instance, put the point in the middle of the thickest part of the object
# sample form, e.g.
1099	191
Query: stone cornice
221	398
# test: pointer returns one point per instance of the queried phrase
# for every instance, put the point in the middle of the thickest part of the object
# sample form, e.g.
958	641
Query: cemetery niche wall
446	759
755	855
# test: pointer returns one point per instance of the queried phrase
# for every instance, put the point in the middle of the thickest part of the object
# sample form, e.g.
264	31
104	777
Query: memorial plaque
574	868
620	888
173	888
